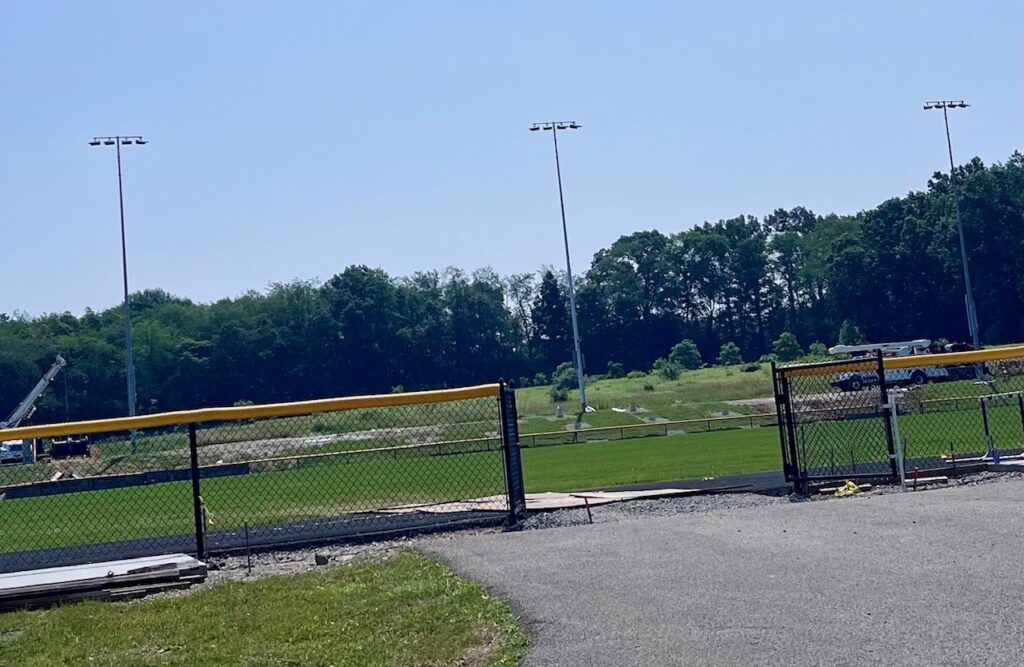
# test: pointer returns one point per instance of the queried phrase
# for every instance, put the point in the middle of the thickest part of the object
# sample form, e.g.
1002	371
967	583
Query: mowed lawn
406	611
331	488
633	461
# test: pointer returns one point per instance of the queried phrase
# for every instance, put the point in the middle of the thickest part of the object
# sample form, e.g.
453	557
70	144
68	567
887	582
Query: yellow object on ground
848	489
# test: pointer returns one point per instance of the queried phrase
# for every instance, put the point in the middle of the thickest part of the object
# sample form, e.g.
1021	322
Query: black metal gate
834	422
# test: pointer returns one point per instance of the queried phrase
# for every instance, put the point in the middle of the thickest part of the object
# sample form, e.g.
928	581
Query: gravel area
632	509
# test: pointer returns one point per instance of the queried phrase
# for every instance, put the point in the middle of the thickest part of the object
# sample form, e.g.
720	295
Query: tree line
732	289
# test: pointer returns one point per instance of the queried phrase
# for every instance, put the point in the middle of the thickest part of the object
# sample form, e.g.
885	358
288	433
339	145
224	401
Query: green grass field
931	434
291	490
607	464
329	487
406	611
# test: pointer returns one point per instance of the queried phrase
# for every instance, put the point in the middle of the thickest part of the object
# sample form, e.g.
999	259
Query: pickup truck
12	451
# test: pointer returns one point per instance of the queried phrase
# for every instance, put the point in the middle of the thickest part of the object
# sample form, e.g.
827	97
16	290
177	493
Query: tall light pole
972	314
554	127
117	142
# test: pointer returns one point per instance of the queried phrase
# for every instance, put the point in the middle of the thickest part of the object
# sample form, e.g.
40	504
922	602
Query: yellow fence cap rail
957	358
913	361
240	413
831	368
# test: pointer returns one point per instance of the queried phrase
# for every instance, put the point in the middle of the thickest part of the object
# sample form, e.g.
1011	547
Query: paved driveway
925	578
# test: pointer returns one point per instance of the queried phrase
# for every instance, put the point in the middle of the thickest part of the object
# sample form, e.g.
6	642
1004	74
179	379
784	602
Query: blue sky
289	140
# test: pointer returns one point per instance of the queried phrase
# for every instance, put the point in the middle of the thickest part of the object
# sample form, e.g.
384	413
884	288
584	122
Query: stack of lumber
110	580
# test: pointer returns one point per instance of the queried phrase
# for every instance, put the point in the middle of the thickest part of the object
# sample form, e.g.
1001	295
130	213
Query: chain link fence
220	480
864	418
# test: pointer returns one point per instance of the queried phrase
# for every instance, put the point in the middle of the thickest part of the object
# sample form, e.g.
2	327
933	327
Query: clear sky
289	140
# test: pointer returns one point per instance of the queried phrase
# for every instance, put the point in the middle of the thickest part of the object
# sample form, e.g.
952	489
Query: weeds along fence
226	479
900	416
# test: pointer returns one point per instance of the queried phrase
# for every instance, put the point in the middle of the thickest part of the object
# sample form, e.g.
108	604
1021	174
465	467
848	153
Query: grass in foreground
408	610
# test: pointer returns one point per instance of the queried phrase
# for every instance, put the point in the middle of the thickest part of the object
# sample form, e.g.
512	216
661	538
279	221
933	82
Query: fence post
887	415
513	461
799	478
197	501
780	398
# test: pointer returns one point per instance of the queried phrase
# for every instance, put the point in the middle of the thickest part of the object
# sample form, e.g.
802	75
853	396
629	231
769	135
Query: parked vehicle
12	451
21	451
914	375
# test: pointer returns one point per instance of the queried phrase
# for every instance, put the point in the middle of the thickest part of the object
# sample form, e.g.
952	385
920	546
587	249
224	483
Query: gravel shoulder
918	578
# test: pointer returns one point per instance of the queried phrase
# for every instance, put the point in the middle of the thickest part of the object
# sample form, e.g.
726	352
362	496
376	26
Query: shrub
636	375
564	376
616	370
768	358
685	355
398	389
750	368
558	394
541	379
648	387
666	369
786	347
729	355
817	350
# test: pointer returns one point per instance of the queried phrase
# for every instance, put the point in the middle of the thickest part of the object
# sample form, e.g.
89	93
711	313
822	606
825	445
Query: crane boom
27	405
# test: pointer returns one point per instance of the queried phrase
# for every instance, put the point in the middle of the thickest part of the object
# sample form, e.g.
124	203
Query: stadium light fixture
554	127
972	313
119	141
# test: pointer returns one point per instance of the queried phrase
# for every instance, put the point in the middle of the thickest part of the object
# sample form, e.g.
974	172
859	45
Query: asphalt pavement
922	578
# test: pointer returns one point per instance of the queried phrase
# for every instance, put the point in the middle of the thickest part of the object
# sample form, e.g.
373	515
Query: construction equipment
899	377
16	451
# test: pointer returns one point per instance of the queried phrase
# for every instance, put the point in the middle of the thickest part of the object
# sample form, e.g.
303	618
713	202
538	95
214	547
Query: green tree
729	355
565	376
550	316
786	347
849	334
665	368
685	354
616	370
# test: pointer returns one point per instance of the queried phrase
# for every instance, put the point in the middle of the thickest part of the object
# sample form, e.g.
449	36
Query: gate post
197	501
780	399
513	461
887	416
787	430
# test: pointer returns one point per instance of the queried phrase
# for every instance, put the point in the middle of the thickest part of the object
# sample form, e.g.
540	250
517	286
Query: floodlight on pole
972	313
554	127
117	142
